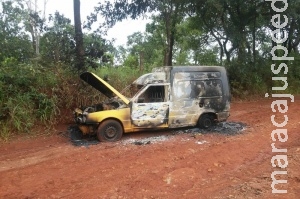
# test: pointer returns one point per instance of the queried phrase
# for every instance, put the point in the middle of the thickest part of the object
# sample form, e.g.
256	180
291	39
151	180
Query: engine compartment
110	104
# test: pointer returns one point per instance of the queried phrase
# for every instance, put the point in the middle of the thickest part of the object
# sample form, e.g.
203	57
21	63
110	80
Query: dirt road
184	165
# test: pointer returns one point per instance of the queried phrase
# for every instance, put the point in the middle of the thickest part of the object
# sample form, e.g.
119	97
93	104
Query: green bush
119	77
32	94
26	97
247	79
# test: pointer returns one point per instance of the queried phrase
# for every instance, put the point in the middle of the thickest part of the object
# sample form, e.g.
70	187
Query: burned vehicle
169	97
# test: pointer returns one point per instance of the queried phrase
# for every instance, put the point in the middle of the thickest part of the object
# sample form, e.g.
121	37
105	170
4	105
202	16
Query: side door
150	107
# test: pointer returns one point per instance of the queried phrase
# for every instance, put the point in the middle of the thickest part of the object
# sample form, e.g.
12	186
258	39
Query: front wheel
109	131
206	121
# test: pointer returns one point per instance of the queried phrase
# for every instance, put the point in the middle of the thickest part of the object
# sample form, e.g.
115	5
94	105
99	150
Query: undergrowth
31	94
248	80
26	97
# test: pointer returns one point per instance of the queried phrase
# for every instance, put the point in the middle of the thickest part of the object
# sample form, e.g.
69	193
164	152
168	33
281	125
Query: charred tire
109	131
206	121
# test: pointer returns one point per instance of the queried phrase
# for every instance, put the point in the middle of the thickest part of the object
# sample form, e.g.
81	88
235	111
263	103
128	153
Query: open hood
102	86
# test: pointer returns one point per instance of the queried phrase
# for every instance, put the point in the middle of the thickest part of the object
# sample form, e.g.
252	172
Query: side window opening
207	88
193	89
153	94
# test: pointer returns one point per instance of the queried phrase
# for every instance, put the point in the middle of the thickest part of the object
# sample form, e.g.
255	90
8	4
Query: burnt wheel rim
207	123
110	132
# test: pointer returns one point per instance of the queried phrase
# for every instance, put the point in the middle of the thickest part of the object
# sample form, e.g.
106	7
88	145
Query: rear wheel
109	131
206	121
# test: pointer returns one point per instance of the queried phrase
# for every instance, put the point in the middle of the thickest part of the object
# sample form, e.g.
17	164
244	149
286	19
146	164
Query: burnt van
169	97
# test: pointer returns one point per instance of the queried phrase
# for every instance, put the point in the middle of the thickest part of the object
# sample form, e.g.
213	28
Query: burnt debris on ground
229	128
226	128
145	141
77	139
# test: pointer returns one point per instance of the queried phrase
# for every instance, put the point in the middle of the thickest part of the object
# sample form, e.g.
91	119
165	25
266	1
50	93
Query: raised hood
102	86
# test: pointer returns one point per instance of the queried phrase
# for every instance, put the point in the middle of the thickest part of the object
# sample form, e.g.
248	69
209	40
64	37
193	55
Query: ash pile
230	128
77	139
145	141
227	128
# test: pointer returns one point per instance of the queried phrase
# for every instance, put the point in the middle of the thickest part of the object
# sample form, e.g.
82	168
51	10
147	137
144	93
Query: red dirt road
224	166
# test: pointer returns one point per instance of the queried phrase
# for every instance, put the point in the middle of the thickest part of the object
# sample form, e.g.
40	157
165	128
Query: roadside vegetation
40	59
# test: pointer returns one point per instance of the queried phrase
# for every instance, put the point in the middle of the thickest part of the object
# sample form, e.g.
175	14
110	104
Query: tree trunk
170	47
79	62
32	26
171	18
141	60
167	19
254	39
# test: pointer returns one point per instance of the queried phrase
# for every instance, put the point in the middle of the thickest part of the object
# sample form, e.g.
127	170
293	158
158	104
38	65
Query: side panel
150	114
184	113
194	93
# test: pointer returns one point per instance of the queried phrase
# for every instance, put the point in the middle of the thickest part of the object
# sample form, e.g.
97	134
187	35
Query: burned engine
111	104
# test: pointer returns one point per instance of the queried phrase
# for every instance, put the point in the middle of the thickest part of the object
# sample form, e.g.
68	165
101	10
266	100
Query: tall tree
35	23
14	40
231	23
293	27
80	63
57	43
171	12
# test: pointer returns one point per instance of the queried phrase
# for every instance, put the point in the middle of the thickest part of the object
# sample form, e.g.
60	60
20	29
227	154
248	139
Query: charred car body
169	97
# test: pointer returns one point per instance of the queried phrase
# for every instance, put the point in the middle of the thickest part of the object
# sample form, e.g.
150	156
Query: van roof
159	74
188	68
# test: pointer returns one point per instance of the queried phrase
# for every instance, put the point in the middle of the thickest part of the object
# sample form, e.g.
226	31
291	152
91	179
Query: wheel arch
111	118
212	114
110	130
